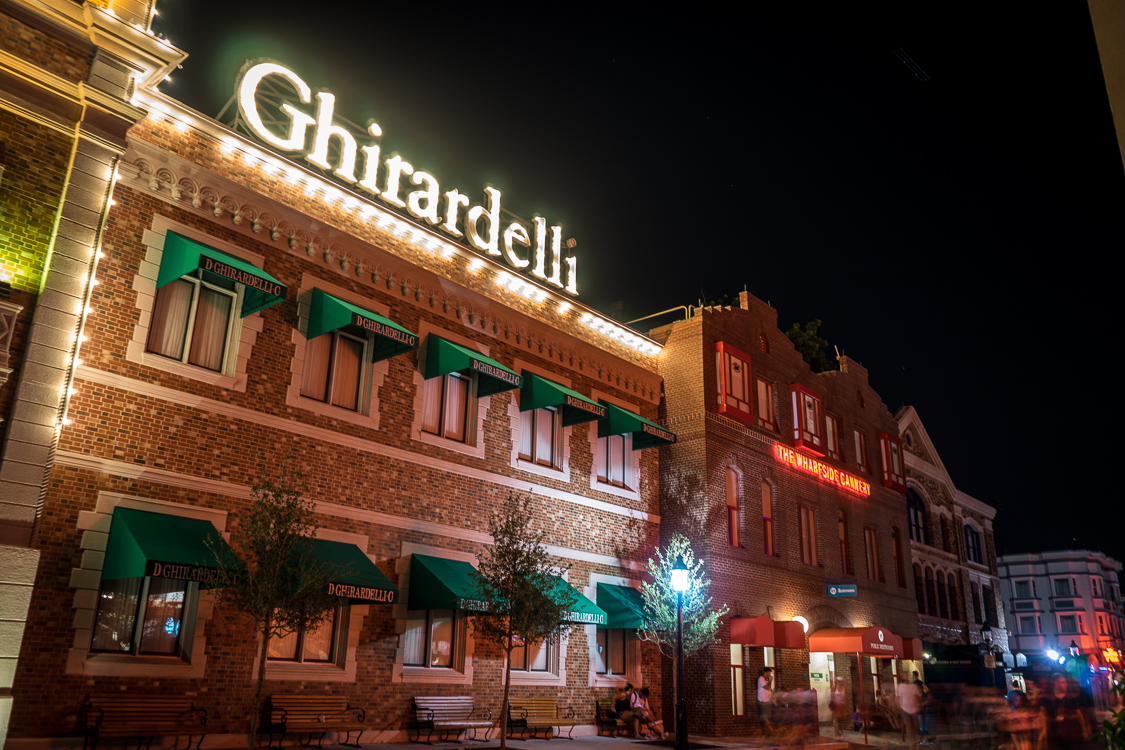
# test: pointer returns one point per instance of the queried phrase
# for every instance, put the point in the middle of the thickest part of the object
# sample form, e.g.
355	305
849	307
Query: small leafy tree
1113	728
810	346
517	582
278	585
701	622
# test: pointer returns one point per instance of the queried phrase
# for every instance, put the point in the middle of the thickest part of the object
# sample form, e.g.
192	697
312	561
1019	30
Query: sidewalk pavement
595	742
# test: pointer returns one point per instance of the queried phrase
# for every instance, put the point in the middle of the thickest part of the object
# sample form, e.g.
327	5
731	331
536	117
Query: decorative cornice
181	183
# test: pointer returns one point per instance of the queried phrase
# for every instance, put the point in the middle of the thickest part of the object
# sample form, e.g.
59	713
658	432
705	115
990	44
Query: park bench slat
143	717
538	713
301	714
446	713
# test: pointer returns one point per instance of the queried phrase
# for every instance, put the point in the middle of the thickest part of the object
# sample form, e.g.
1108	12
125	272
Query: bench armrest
569	712
360	714
201	711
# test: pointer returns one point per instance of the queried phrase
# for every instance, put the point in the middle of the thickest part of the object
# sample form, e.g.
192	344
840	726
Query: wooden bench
538	713
143	717
313	714
448	713
607	720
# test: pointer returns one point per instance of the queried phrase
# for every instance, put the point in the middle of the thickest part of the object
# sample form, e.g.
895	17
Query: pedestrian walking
838	707
765	700
910	702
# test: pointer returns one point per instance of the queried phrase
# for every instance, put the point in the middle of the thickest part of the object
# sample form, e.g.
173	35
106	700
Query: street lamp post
680	584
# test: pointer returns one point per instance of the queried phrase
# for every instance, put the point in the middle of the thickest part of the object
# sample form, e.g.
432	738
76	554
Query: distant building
953	555
1064	604
790	484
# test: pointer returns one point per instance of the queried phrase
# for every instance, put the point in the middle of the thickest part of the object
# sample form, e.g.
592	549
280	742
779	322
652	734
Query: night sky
954	235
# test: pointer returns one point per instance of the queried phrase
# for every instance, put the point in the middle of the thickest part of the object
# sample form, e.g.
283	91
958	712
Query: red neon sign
821	470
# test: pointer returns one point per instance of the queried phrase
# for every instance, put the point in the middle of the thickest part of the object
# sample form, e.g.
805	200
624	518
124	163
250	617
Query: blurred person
1066	724
765	700
837	706
910	702
623	705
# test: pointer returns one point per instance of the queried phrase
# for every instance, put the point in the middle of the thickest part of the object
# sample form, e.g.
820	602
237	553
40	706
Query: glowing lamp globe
680	582
1052	654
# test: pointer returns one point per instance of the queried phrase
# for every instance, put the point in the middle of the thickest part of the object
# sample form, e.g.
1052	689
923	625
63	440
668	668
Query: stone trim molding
173	180
9	311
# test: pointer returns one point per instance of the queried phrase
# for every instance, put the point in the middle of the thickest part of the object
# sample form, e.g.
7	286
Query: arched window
942	596
767	518
972	544
918	594
845	555
931	593
734	507
916	511
954	597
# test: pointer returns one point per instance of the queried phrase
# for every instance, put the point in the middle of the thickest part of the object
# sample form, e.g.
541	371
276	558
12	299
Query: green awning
438	583
444	357
585	611
142	543
183	256
538	392
623	606
361	581
645	434
329	313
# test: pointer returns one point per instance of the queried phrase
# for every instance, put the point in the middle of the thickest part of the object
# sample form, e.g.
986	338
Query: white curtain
318	642
345	380
212	321
169	319
431	405
545	437
601	455
537	654
164	611
527	431
628	462
117	615
314	377
414	638
441	637
456	404
600	657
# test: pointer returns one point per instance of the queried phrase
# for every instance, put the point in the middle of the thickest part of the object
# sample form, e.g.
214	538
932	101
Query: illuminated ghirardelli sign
538	252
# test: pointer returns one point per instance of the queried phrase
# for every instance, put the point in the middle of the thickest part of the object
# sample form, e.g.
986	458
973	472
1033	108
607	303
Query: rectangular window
832	436
163	607
1062	587
871	553
989	610
194	320
974	591
842	532
1095	588
894	474
614	460
733	372
734	508
446	404
806	518
808	421
1101	625
1023	589
1027	624
429	637
896	544
540	433
767	519
766	417
1068	624
317	645
333	369
737	681
532	657
610	659
861	450
972	544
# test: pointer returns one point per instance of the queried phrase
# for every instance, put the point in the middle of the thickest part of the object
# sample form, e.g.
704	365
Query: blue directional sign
836	589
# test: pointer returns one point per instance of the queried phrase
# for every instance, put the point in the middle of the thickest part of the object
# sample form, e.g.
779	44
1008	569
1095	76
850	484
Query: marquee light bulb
564	308
476	264
71	391
65	421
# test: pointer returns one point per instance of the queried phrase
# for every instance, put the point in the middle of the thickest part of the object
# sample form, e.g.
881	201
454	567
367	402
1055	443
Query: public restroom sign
535	251
821	470
837	589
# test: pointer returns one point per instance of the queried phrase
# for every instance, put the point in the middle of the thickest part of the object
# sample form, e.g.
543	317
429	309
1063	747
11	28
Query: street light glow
803	621
680	581
1052	654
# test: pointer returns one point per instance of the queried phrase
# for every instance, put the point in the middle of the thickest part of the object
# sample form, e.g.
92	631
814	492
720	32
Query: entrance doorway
822	676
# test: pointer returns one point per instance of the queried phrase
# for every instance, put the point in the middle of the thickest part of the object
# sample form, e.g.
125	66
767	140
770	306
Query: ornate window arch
916	512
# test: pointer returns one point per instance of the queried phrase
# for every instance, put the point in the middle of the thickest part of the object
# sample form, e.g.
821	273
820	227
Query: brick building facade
212	340
953	552
767	482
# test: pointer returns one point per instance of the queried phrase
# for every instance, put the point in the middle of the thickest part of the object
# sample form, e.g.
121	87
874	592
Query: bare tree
520	587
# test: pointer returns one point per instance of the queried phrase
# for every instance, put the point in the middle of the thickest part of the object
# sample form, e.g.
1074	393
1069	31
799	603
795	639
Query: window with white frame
768	530
447	402
611	657
532	657
861	449
334	368
734	507
808	424
541	436
614	462
1027	625
195	321
871	553
318	645
737	681
1068	624
972	544
145	617
732	372
1023	589
832	435
430	638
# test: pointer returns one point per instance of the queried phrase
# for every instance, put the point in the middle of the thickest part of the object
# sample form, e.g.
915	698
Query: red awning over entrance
912	648
874	641
752	631
762	631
